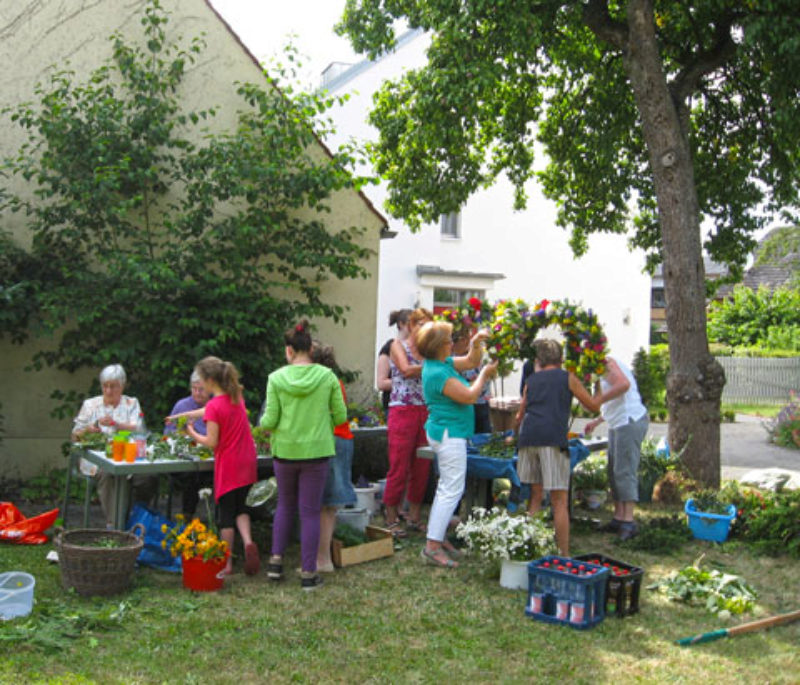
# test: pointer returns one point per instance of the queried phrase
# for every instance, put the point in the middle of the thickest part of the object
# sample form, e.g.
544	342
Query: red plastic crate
622	587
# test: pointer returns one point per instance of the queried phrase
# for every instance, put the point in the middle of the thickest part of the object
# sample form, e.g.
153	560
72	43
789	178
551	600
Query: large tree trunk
695	382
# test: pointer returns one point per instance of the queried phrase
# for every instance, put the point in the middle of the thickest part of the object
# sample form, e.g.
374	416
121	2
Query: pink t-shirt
235	453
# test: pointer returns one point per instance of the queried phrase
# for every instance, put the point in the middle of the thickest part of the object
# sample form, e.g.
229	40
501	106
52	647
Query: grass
763	410
393	620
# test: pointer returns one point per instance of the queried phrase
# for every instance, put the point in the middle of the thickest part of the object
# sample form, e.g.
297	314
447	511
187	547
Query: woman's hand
589	427
106	420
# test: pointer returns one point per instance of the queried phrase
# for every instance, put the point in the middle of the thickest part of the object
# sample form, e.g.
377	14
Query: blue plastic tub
708	526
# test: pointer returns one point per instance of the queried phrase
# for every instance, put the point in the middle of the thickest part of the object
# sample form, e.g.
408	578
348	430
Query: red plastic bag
14	527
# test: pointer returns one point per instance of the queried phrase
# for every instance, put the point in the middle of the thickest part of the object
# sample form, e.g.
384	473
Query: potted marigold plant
203	554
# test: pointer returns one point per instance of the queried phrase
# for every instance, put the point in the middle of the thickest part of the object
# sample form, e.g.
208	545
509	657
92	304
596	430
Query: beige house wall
37	38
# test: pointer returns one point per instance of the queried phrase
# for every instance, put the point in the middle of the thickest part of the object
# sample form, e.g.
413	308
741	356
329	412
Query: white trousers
451	455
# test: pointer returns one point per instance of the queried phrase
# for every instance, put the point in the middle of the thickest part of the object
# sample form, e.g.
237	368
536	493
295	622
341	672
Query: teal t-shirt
443	413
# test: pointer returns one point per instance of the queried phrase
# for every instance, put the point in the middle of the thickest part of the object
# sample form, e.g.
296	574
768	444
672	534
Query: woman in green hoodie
304	403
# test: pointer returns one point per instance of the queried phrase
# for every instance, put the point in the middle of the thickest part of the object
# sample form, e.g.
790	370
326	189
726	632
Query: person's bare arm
592	403
463	394
473	357
384	380
398	355
210	439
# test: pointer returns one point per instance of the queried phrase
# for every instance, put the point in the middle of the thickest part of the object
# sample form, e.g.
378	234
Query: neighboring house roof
775	273
385	232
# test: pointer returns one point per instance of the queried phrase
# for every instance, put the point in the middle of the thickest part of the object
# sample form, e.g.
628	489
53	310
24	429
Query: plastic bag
14	527
153	554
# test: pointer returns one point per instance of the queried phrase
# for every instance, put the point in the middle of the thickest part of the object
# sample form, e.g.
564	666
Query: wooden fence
759	379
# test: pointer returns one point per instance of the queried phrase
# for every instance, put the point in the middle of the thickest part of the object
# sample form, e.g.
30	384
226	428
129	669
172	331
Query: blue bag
152	553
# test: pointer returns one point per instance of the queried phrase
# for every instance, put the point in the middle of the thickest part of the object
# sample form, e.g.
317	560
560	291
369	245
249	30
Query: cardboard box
380	545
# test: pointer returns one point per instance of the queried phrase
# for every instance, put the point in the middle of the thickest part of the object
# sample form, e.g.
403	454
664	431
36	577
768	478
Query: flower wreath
513	326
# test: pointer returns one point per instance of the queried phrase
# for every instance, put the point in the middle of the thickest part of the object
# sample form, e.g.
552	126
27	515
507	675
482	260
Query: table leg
87	498
122	491
65	507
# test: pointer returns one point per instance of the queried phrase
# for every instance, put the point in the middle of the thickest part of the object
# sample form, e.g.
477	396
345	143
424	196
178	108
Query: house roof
385	233
774	273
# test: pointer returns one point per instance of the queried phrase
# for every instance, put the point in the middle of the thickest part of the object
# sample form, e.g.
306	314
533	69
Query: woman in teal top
451	421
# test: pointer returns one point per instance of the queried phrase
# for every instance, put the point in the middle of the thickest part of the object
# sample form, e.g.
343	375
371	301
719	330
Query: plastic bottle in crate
613	594
538	588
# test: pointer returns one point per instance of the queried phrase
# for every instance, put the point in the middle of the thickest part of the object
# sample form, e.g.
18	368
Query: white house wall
527	247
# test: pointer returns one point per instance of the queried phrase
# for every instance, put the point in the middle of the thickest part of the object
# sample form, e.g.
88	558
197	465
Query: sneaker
627	530
611	526
275	568
310	581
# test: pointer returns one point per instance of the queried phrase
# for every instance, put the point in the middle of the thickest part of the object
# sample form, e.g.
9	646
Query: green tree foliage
654	115
152	251
762	318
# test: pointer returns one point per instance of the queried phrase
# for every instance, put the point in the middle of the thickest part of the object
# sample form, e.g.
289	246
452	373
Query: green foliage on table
498	447
131	261
762	318
715	590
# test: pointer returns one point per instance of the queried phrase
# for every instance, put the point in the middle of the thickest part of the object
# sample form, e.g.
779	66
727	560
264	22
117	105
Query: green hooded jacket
304	403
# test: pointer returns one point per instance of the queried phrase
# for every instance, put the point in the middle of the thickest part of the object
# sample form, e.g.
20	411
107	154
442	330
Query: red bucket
204	576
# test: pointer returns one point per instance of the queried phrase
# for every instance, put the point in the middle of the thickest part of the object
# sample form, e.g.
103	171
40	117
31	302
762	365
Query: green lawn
393	620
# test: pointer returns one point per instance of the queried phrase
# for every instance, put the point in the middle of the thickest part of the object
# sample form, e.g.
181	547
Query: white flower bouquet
498	535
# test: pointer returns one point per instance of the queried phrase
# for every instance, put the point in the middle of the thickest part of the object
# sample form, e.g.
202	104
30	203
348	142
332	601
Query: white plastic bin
16	594
367	498
357	518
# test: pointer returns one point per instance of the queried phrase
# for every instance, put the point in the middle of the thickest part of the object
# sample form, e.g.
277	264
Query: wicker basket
94	570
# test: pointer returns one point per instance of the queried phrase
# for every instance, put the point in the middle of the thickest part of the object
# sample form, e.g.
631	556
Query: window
451	225
448	298
657	300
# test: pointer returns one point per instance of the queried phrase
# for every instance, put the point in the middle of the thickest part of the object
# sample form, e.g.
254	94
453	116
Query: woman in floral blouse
108	413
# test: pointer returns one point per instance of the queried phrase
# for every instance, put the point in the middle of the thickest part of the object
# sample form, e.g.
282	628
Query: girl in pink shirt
228	434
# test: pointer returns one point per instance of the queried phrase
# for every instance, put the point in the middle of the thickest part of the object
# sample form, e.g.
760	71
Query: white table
121	470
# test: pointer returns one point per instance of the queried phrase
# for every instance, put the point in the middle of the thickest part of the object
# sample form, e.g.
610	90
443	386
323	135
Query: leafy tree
152	251
654	115
762	318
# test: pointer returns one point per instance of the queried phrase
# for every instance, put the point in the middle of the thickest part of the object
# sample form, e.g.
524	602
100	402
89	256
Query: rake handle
736	630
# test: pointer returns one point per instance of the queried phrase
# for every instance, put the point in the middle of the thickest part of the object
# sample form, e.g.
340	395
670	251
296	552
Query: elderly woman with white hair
108	413
190	483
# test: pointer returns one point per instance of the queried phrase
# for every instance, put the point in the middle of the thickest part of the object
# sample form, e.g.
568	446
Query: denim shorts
339	490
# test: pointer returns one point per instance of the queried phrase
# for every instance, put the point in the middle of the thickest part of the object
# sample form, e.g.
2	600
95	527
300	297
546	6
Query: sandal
397	530
452	552
416	526
431	559
275	569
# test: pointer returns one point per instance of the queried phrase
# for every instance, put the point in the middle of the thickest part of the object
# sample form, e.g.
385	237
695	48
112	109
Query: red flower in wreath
474	302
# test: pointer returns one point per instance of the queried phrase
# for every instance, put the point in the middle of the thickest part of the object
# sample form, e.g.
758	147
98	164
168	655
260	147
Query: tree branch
599	21
689	78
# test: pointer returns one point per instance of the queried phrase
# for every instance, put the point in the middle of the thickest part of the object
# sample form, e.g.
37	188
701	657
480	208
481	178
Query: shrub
784	429
650	371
